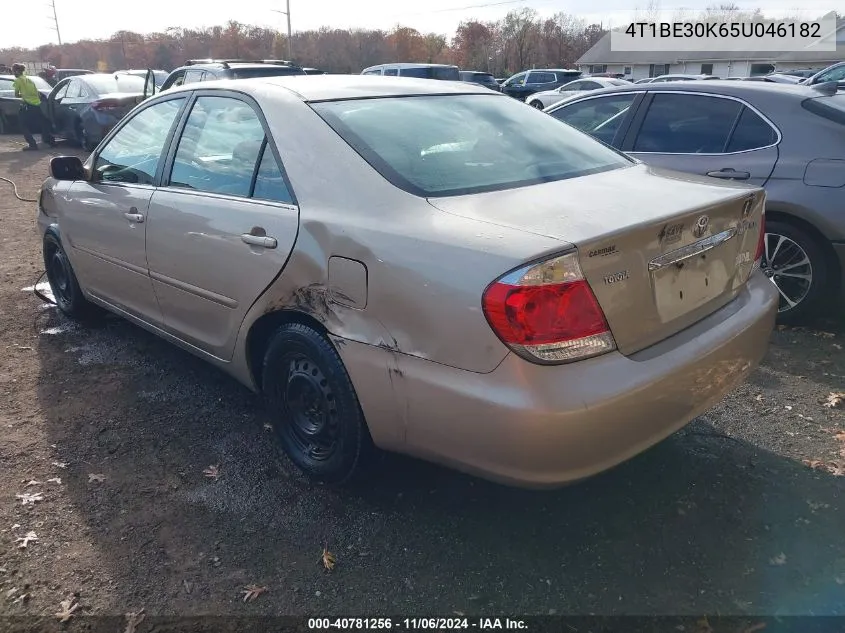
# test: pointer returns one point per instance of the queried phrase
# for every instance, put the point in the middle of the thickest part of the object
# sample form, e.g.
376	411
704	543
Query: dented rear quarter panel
425	270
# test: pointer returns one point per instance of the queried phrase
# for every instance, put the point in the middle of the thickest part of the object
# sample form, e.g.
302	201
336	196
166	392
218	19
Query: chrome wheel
788	267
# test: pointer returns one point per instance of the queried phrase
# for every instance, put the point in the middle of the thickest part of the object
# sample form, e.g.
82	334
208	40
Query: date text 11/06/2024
458	623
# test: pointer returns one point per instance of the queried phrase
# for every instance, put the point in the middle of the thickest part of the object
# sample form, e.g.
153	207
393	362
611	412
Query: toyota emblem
700	226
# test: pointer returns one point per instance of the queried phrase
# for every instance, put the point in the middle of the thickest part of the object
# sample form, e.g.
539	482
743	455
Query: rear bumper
543	426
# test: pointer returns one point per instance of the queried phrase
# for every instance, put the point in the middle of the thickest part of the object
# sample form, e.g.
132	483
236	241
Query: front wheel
63	282
315	412
535	103
795	263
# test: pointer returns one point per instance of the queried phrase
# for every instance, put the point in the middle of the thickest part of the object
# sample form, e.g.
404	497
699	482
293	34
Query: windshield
432	72
105	84
265	71
452	145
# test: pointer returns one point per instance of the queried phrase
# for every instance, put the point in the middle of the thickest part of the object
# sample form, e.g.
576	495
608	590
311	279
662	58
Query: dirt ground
106	433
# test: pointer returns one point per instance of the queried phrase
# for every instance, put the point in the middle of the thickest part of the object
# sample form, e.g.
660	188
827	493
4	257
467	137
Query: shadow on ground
701	523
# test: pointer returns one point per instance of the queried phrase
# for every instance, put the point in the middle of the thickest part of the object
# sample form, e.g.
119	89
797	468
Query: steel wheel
315	413
311	408
59	274
788	267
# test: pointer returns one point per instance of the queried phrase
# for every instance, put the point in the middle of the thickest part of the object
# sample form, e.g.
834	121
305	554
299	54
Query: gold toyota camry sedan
426	267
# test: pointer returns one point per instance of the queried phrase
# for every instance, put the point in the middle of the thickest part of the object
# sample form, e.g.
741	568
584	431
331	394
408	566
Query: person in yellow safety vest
30	115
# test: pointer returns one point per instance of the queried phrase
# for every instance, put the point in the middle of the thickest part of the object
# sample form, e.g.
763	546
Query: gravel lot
107	432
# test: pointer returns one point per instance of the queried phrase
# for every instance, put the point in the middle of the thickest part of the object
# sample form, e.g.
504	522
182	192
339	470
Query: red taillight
106	104
547	312
761	240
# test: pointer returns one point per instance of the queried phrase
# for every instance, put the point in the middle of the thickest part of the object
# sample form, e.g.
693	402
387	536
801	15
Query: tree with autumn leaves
522	39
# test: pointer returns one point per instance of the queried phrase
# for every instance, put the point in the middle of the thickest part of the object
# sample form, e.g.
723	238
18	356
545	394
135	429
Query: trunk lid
660	249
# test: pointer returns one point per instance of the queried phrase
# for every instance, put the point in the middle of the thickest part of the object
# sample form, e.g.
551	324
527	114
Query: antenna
56	21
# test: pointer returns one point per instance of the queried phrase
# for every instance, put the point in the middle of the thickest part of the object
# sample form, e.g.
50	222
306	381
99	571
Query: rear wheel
83	138
4	124
63	282
536	103
315	413
796	264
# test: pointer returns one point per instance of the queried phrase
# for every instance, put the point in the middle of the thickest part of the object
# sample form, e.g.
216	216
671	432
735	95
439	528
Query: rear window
105	84
831	108
432	72
453	145
269	71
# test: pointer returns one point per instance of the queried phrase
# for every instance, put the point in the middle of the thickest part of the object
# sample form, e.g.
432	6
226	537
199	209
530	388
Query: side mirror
67	168
149	84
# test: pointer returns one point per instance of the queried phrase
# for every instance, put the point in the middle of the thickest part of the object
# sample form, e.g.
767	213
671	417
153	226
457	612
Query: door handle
729	174
134	217
259	240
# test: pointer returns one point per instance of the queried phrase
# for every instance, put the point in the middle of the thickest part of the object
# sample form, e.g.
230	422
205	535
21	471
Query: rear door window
393	72
269	182
687	124
751	132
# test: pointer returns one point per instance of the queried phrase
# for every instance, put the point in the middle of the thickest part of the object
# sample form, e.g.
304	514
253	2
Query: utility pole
56	21
287	13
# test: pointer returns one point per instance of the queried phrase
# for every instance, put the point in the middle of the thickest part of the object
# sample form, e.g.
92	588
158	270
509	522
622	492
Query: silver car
788	138
547	98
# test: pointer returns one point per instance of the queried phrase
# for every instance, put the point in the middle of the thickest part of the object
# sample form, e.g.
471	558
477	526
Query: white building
638	65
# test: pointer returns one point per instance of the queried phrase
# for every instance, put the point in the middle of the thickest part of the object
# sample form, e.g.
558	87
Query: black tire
314	411
4	124
82	138
63	282
536	103
796	246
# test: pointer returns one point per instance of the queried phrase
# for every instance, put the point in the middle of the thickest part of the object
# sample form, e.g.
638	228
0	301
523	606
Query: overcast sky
86	20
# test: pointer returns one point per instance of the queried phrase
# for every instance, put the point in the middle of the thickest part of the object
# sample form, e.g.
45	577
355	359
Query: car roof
333	87
411	65
230	65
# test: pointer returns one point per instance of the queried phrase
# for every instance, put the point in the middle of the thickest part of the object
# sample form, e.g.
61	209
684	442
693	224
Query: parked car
789	139
523	85
314	71
160	76
197	70
681	77
800	73
10	105
444	272
84	108
484	79
546	98
420	71
835	72
772	78
55	75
